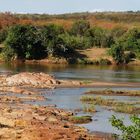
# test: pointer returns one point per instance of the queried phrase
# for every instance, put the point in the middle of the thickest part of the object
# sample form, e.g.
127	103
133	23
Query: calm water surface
100	73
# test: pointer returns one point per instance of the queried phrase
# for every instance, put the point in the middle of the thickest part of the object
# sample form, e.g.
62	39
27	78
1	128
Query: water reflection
101	73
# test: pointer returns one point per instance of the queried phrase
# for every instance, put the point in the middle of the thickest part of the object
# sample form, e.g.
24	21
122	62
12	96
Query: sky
67	6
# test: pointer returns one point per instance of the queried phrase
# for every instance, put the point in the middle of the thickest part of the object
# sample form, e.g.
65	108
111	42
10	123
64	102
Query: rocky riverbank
19	120
26	122
15	83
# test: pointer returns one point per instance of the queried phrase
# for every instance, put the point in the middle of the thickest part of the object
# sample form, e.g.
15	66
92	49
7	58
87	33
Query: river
69	98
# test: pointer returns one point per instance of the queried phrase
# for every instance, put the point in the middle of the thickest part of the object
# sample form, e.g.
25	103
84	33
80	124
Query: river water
100	73
69	98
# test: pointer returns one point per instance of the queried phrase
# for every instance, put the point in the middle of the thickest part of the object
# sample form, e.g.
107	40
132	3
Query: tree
99	37
119	54
127	47
131	41
49	37
24	41
80	27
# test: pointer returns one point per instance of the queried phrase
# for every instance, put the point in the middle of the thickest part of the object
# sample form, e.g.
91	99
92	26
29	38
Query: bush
131	132
104	62
50	39
80	27
117	52
24	41
71	42
3	35
117	32
99	37
8	54
127	47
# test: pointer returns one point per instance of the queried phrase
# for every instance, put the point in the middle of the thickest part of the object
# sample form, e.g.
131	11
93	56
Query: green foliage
127	47
99	37
93	62
8	53
50	39
31	42
24	41
115	105
80	119
119	55
131	132
3	35
117	52
80	27
74	42
117	32
131	41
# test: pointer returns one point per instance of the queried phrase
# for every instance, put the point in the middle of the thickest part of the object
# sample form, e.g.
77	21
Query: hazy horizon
64	6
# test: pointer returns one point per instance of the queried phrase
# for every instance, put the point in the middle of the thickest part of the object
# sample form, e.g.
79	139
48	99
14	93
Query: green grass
115	93
127	109
89	108
117	106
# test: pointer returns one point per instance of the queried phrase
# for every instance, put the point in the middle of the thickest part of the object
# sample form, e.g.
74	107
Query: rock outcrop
31	79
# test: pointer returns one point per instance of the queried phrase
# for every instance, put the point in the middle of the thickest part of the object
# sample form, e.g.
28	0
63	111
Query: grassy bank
114	93
117	106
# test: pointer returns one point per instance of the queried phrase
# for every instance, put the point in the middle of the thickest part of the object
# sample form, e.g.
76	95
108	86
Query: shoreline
57	61
99	84
42	121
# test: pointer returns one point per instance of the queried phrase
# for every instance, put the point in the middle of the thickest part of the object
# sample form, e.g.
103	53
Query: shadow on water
82	72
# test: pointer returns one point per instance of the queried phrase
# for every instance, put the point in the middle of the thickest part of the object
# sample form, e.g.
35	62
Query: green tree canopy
80	27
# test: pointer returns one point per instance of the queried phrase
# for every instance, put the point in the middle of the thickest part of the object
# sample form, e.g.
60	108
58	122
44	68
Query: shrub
117	52
80	27
127	47
104	62
3	35
80	119
8	54
24	41
99	37
131	132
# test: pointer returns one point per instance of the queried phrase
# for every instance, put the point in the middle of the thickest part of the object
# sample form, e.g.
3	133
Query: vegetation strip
53	41
114	92
124	107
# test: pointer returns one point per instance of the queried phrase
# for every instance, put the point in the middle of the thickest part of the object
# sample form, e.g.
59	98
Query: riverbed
69	98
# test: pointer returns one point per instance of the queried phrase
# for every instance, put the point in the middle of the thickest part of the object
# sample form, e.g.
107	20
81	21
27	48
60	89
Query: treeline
102	19
126	17
38	42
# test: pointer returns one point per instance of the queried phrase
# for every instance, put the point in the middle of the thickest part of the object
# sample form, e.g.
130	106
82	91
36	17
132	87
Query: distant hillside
103	19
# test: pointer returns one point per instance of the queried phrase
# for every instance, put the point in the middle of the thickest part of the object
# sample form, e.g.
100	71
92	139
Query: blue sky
67	6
